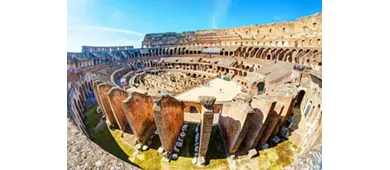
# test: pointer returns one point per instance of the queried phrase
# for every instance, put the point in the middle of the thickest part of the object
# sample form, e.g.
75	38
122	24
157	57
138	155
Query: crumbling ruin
136	89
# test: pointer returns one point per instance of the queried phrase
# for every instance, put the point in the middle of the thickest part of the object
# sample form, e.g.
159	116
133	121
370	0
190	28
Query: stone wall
77	95
138	109
305	31
269	124
85	154
115	98
287	103
169	117
103	90
188	105
234	123
261	109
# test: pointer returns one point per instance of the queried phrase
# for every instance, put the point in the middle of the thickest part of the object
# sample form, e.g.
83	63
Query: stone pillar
287	103
234	121
138	109
169	118
261	107
206	124
103	90
271	122
115	98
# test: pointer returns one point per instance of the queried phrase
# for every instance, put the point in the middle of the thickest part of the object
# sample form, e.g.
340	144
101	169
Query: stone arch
277	54
300	97
260	87
268	57
194	109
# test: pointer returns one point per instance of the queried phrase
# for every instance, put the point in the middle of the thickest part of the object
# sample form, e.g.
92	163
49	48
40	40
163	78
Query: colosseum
232	98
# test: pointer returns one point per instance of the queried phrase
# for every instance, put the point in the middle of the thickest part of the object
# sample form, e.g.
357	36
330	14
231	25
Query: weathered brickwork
169	117
103	90
115	98
138	109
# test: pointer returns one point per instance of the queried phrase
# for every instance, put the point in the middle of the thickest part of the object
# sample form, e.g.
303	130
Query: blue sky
125	22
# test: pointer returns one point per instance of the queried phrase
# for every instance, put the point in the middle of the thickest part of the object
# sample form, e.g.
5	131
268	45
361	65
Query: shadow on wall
250	141
231	130
103	138
297	116
216	148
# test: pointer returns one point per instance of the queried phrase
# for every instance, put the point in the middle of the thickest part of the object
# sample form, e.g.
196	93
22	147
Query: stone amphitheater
237	98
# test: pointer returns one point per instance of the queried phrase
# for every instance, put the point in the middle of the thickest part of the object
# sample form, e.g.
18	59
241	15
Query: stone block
201	161
160	150
145	147
194	160
138	146
252	153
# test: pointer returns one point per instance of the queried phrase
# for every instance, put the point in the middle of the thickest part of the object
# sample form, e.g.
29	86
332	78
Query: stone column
206	124
158	117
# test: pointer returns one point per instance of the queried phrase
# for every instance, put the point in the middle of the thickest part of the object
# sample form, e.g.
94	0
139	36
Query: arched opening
260	87
311	113
300	96
226	53
193	109
308	108
268	57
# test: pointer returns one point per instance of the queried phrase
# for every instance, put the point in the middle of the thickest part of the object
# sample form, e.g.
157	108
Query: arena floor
229	90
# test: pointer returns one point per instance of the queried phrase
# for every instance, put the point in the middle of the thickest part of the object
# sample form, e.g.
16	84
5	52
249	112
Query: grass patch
149	159
216	155
103	138
111	141
277	157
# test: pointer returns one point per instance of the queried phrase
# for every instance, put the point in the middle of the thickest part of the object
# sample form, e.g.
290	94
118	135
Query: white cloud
98	36
84	29
220	11
136	43
108	29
